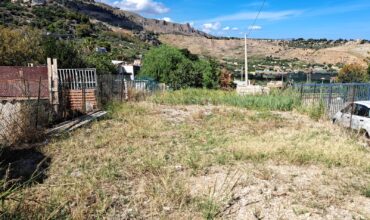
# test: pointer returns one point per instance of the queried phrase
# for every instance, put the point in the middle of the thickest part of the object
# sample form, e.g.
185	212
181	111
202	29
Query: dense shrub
180	68
353	73
20	46
66	52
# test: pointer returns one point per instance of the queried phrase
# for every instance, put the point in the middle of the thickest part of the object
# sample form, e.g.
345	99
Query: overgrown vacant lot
191	162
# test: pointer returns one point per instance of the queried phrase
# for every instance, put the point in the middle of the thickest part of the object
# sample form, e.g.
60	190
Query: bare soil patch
273	191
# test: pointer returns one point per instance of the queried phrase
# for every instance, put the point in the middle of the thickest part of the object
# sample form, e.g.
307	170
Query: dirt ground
149	161
276	191
283	192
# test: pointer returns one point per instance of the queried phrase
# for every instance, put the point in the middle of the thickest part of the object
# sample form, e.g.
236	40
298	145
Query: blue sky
279	19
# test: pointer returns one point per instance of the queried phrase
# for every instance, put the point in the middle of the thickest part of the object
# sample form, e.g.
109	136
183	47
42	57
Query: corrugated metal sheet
20	82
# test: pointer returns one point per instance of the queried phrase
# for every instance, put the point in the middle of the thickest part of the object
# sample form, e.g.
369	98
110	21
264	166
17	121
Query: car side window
348	109
361	110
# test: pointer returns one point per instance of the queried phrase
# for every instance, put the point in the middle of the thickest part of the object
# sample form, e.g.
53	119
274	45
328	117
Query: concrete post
55	86
50	80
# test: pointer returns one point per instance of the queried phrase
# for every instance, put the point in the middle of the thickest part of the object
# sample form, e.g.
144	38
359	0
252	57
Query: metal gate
78	89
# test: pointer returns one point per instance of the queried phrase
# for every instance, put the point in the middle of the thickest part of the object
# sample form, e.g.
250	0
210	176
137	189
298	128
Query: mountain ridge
130	20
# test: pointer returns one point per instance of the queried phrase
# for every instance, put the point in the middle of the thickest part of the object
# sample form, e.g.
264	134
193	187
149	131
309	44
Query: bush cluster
180	69
353	73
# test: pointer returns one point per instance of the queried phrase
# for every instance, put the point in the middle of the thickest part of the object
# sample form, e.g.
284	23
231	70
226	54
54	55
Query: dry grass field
160	161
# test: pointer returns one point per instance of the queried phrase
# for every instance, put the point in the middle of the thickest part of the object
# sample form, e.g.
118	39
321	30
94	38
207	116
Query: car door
345	118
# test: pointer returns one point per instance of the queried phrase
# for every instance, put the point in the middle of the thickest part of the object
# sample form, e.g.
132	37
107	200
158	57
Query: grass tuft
366	192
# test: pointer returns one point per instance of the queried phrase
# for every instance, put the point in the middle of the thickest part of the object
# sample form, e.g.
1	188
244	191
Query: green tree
102	63
209	71
20	46
353	73
66	52
163	63
180	68
211	79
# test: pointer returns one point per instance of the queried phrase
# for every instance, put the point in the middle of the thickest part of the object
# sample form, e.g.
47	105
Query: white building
129	71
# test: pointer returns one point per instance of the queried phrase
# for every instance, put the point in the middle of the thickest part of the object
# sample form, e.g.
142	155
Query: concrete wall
18	120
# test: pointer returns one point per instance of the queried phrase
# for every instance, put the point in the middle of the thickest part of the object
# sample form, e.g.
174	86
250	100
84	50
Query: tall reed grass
285	100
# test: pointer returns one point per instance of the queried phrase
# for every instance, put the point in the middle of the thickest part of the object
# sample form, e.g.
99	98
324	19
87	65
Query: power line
256	18
246	45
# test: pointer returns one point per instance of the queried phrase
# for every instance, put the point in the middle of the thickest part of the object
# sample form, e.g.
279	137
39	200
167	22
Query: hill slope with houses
154	31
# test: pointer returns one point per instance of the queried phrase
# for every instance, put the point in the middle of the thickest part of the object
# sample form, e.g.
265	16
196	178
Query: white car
355	116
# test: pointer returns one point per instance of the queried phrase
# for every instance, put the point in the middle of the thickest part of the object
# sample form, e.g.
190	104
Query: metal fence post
112	88
83	94
37	105
301	91
122	87
353	104
330	98
101	90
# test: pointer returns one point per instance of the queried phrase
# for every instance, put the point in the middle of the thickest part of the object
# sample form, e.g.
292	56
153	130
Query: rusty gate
78	89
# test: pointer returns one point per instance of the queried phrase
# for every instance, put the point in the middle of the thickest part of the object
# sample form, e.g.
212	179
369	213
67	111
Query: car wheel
366	135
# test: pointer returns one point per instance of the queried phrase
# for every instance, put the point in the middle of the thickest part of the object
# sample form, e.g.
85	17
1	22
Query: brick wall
76	99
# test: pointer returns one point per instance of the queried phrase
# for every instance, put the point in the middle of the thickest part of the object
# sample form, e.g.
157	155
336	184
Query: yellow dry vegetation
157	161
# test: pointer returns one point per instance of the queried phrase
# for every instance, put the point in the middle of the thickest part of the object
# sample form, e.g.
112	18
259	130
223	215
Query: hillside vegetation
84	19
29	35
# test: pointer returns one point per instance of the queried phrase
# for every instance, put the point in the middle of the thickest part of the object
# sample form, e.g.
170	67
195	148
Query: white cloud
228	28
144	6
212	26
277	15
167	19
255	27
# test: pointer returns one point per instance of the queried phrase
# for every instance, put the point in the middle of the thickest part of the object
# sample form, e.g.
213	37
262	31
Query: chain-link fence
24	111
333	96
117	88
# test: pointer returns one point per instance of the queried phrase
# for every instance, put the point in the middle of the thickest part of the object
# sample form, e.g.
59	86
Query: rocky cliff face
131	21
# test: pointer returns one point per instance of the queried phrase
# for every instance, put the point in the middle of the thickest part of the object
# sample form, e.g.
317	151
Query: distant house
129	71
101	50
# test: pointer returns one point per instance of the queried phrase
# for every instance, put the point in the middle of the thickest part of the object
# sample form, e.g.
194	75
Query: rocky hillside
74	17
184	36
131	21
346	52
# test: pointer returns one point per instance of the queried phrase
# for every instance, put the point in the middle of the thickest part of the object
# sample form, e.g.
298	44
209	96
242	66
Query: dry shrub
136	95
